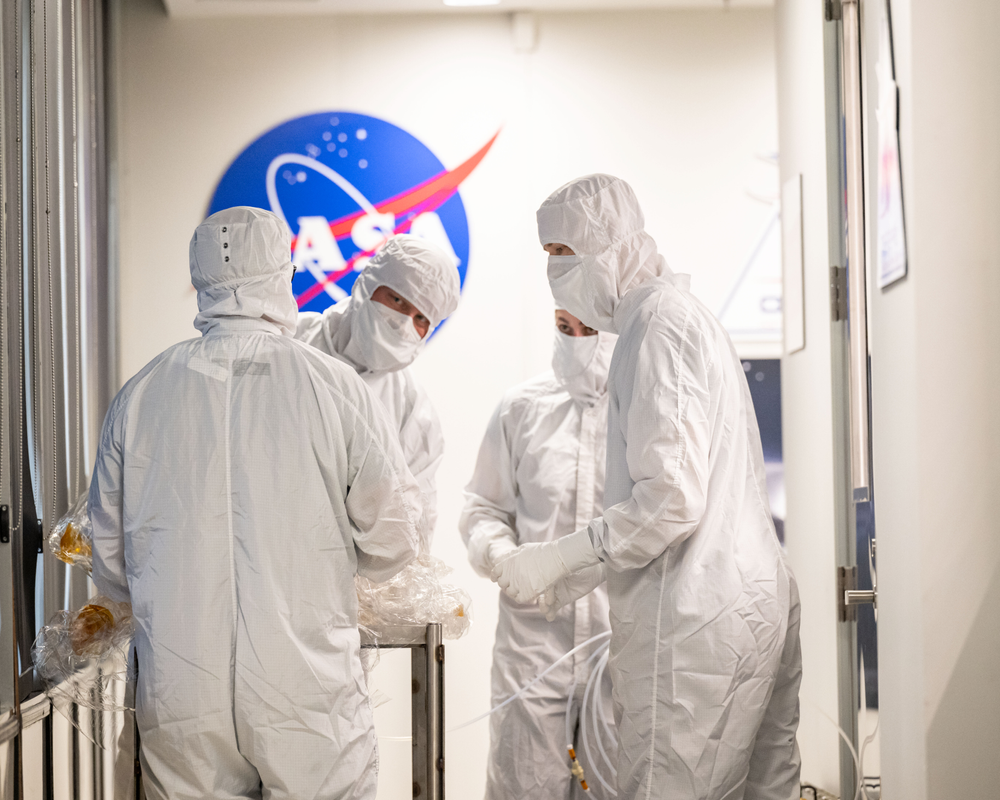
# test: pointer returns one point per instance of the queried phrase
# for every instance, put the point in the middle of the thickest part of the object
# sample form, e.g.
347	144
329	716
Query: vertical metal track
10	357
849	356
856	266
434	653
49	51
76	482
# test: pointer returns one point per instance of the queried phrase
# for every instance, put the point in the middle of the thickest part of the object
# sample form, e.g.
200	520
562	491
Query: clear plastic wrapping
72	537
417	595
81	658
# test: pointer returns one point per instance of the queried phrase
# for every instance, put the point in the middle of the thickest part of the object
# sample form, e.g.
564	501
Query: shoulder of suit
542	389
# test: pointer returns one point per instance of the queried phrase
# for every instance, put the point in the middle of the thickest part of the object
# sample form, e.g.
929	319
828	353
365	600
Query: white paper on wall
891	226
792	264
751	311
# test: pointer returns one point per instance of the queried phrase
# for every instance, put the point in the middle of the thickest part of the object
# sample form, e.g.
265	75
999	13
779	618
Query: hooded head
373	337
242	269
599	218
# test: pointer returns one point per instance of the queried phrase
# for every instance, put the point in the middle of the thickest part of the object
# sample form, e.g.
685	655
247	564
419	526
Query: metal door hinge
834	10
838	293
5	524
847	581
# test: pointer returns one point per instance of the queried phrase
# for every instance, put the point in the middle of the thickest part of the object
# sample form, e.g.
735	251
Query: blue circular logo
344	183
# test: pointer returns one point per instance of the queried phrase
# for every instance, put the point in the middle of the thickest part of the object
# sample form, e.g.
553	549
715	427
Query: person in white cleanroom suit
397	301
539	476
242	480
705	658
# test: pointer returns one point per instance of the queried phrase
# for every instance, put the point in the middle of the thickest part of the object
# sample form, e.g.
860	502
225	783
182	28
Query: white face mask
572	354
382	340
571	289
581	364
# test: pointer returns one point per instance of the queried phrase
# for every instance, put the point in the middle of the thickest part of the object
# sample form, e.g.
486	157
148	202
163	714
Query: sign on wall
793	264
752	309
891	225
343	183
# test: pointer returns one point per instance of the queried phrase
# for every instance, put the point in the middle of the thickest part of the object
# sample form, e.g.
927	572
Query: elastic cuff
577	551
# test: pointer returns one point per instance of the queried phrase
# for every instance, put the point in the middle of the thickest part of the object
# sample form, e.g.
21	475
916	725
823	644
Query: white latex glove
498	550
489	542
532	568
570	589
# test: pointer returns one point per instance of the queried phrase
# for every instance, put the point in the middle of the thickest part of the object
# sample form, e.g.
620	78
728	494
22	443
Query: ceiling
247	8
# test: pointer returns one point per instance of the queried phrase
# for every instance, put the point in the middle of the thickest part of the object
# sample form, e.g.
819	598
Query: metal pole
857	296
427	714
434	652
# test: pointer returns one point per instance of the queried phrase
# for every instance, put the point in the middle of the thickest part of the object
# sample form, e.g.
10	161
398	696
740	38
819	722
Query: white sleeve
383	499
105	502
490	498
308	326
668	441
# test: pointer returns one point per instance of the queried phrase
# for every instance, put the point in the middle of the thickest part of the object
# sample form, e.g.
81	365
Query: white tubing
596	702
586	742
612	735
572	692
847	741
861	761
521	691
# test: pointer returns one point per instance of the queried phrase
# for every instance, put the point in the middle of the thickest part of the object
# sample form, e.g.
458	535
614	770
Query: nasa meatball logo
344	183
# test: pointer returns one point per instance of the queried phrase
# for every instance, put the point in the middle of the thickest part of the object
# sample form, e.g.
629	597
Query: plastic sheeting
72	537
418	595
81	658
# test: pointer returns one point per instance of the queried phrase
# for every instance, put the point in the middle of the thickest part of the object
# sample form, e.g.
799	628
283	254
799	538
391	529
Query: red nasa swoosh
427	196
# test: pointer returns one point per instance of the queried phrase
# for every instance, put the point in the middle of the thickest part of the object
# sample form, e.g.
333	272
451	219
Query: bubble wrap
81	658
417	595
71	538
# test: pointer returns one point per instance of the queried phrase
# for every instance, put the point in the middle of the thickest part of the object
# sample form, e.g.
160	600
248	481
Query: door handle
860	597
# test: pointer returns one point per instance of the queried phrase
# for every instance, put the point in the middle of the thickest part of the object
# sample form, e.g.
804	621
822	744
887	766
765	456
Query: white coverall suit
539	476
242	479
356	331
705	658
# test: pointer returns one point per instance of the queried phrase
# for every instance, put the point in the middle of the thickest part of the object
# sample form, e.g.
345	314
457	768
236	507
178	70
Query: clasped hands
557	573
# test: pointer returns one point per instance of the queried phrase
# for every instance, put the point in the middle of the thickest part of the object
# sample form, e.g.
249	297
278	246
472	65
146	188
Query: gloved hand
570	589
532	568
488	544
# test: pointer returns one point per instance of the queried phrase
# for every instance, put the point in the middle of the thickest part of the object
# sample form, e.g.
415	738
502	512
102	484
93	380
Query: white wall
680	103
936	438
